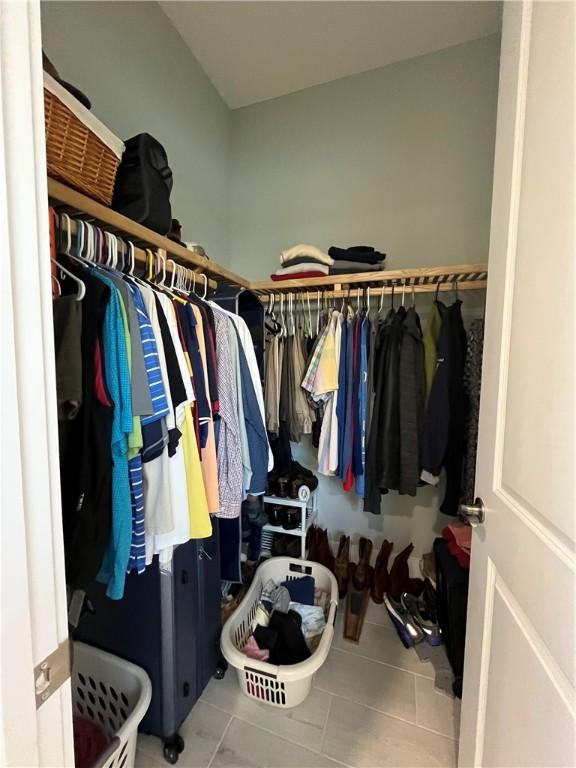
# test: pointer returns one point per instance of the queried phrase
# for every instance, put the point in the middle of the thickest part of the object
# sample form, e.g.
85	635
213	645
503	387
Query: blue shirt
151	361
113	569
255	429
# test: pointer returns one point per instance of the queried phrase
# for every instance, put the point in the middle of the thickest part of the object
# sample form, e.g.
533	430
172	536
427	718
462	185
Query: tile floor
373	705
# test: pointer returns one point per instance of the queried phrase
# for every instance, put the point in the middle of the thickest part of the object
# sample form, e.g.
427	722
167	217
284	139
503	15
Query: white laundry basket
280	686
115	695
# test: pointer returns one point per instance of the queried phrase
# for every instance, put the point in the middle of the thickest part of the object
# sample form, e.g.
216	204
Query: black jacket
383	451
412	394
445	422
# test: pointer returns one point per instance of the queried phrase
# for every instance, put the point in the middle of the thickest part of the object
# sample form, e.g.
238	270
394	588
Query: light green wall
141	77
399	157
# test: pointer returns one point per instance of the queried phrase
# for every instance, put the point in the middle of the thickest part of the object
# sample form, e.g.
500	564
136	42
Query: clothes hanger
455	296
318	298
413	295
174	273
205	292
80	283
403	290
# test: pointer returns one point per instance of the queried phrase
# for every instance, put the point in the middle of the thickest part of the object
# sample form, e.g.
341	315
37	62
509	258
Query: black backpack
143	184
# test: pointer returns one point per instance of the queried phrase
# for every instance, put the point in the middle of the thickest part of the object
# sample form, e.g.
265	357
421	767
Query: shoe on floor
381	580
342	566
409	633
423	618
362	576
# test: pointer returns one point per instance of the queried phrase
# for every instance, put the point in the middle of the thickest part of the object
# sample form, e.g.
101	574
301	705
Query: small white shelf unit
308	511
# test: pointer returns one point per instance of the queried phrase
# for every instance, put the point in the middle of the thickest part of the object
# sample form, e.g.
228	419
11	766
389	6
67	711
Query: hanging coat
412	399
445	422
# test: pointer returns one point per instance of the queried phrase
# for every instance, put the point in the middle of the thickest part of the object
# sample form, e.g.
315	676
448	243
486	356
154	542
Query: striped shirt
137	561
151	361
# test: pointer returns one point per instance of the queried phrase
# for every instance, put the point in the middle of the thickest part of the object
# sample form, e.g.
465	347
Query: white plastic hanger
174	273
403	290
81	286
205	292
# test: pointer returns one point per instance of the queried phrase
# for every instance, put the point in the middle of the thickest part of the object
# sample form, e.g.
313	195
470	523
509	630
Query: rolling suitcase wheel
173	748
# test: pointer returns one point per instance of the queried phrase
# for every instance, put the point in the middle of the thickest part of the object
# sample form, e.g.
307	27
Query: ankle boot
342	566
400	580
363	572
381	580
326	556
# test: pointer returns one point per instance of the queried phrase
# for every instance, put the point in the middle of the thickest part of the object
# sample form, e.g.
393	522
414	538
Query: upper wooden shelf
424	279
64	197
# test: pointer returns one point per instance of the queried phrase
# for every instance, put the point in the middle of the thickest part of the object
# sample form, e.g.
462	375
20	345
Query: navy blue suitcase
168	623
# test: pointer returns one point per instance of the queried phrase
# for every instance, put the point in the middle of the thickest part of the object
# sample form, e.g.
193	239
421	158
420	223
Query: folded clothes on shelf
298	275
304	249
305	266
353	267
362	254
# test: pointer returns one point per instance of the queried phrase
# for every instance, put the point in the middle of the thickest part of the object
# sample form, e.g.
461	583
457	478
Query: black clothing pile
357	258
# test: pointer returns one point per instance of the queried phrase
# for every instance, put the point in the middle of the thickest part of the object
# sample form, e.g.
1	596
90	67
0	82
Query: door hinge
50	673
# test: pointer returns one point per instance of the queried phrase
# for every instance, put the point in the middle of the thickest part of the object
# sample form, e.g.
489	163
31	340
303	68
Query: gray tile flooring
373	705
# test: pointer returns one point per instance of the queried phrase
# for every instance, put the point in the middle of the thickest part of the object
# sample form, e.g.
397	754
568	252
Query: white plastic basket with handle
115	695
280	686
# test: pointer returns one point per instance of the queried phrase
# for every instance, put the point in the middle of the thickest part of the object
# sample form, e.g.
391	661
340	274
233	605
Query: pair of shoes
408	631
285	546
400	580
423	617
363	572
381	580
253	508
287	517
319	549
342	566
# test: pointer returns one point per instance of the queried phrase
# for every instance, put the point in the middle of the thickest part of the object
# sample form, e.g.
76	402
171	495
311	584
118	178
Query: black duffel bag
143	184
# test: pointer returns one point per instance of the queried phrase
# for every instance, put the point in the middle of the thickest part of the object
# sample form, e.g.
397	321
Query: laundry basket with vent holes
280	686
115	695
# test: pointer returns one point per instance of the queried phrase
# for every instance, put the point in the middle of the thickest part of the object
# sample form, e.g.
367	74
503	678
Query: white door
518	704
33	590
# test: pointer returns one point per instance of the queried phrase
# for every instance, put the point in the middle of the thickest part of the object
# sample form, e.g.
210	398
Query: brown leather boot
326	556
381	580
342	565
363	571
400	580
312	541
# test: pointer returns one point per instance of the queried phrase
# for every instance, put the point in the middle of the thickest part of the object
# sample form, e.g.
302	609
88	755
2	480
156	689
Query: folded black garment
290	646
344	267
364	254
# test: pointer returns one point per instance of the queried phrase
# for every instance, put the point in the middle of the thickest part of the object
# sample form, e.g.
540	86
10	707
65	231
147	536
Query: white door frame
34	610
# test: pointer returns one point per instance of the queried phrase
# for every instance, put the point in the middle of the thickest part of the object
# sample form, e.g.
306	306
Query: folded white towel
306	250
309	266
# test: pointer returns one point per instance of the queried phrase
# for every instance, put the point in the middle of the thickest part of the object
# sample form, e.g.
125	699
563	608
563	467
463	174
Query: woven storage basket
76	154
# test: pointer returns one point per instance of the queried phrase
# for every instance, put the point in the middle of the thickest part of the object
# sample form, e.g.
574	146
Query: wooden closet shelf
78	205
424	280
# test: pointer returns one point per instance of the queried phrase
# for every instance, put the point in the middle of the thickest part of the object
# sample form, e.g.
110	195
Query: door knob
473	514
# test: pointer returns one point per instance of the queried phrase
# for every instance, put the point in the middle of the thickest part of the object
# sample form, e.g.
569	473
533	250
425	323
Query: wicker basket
75	154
